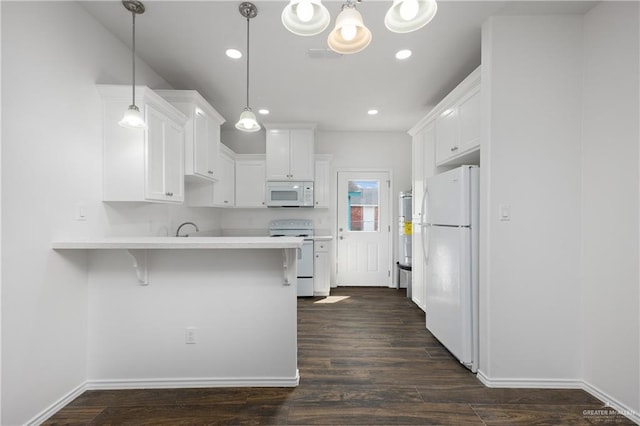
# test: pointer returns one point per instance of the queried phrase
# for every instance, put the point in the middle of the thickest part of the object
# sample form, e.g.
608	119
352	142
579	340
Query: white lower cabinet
142	164
321	268
250	180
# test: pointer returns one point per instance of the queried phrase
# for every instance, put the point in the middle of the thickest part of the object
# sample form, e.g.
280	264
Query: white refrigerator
450	237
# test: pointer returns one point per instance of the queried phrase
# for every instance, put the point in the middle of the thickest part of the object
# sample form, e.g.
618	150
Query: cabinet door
250	187
201	145
278	154
322	183
174	162
223	190
154	167
301	154
447	135
418	287
213	150
417	187
322	270
469	119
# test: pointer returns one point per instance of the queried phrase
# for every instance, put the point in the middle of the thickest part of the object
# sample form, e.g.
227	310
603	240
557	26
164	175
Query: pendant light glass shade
132	116
405	16
247	121
349	35
305	17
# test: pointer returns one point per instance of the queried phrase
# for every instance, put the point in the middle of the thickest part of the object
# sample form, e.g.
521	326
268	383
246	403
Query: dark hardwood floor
364	360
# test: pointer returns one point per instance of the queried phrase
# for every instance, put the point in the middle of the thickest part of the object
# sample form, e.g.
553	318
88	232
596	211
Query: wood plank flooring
364	360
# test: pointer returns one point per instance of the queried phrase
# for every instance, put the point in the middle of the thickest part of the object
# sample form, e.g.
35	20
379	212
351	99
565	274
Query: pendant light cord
248	61
133	58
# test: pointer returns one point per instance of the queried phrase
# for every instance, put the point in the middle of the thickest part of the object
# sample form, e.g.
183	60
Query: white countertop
171	243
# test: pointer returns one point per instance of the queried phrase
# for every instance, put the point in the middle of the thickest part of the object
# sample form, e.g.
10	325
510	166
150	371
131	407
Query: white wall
530	288
53	55
610	193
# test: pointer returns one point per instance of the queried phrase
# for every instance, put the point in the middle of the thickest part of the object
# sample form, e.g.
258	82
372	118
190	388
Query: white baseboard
243	382
529	383
58	405
611	402
561	384
213	382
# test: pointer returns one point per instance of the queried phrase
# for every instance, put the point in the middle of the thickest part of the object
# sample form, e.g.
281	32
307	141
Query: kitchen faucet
183	224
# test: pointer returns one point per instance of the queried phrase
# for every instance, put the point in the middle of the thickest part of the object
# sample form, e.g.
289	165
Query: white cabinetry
457	122
202	133
321	268
250	180
290	152
142	164
322	181
215	194
224	189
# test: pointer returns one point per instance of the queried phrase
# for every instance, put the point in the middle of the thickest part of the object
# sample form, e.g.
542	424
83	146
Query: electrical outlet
190	336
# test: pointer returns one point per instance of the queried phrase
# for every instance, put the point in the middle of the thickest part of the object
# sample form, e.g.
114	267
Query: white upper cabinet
224	189
202	133
142	164
322	181
250	183
457	122
221	193
290	152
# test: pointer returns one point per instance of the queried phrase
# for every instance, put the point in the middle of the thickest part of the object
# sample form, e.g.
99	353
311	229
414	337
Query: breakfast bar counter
203	312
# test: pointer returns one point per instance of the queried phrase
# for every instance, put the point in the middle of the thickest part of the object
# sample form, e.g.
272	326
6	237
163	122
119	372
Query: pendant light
349	35
133	117
247	121
305	17
405	16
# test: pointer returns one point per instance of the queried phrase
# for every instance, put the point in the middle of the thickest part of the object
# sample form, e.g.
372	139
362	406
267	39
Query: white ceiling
185	41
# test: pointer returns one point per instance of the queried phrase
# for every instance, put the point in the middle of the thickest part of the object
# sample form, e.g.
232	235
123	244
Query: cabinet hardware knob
210	172
225	201
454	148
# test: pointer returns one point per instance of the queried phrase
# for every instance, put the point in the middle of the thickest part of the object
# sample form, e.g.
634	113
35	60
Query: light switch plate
505	212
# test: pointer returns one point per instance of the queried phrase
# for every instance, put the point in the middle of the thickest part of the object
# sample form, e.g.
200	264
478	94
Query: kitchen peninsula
206	311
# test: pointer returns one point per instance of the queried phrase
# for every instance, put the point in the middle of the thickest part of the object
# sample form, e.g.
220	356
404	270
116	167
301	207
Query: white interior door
363	229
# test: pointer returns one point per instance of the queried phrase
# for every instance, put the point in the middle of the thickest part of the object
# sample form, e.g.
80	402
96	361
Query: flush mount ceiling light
233	53
349	35
247	121
305	17
405	16
133	117
403	54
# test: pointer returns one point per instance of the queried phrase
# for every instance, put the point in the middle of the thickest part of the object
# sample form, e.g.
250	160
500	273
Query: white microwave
289	194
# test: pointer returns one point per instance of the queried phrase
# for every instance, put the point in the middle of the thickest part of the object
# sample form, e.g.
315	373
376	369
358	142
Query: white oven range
298	228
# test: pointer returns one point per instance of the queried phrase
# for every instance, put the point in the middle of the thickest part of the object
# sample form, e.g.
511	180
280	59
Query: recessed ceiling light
372	112
233	53
403	54
263	111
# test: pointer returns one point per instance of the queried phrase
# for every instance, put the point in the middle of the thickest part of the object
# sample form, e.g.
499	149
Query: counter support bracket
140	263
289	266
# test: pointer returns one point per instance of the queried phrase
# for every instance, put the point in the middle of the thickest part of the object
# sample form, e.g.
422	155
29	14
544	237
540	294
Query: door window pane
363	205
